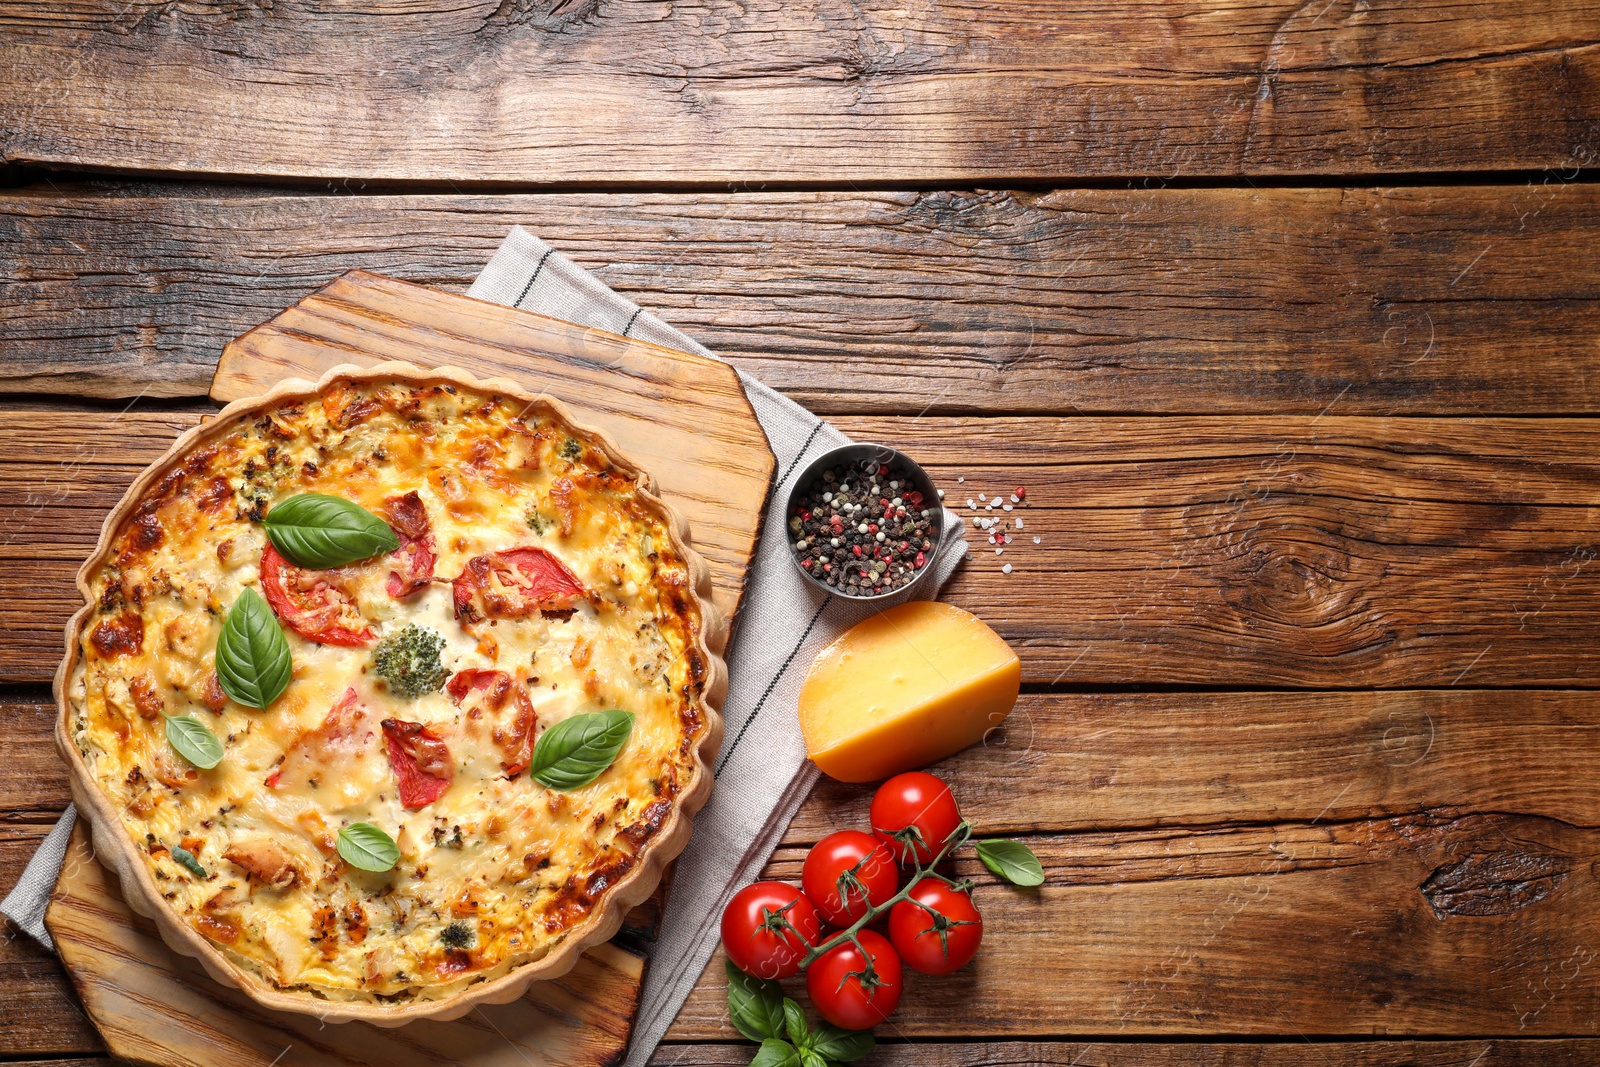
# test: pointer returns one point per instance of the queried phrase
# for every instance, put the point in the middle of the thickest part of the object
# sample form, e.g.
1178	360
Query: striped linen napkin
762	772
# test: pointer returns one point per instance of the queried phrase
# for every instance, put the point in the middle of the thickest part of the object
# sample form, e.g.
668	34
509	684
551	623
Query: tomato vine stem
958	837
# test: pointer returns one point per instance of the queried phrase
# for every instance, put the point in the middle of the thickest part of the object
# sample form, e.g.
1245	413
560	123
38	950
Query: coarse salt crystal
1006	569
971	503
982	497
941	494
1015	498
1035	540
960	478
998	551
1005	507
1019	522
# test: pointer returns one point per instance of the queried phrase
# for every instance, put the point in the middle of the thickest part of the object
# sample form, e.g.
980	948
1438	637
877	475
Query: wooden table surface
1285	314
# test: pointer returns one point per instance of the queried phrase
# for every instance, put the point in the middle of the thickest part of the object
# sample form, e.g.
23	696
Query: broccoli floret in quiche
409	661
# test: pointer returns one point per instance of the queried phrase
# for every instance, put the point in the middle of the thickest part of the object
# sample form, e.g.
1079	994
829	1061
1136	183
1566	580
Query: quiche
390	693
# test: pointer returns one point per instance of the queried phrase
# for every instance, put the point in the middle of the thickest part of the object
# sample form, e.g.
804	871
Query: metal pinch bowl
879	455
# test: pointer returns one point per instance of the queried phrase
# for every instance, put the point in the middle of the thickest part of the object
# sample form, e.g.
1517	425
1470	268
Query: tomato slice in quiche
493	704
413	562
514	583
421	761
315	604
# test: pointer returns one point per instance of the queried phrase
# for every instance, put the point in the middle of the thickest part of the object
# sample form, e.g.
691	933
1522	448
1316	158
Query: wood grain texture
1353	301
1344	851
1429	924
42	1016
711	91
154	1006
1290	1053
1083	762
1306	551
1576	1052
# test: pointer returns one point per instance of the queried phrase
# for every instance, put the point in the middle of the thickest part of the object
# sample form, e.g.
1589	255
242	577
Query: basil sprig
189	736
320	531
364	845
755	1005
1011	860
761	1012
576	751
253	662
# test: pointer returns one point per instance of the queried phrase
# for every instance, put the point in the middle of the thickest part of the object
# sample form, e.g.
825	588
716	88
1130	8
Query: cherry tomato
917	800
512	584
753	934
843	992
314	604
864	865
421	762
935	944
413	561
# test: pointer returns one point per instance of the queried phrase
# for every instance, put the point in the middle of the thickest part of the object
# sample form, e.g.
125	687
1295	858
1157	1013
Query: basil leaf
320	531
754	1005
187	861
794	1021
775	1052
813	1058
836	1043
363	845
189	736
1011	860
253	661
576	751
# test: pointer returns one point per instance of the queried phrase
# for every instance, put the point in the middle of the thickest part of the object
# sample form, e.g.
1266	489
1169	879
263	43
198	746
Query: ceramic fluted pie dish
513	694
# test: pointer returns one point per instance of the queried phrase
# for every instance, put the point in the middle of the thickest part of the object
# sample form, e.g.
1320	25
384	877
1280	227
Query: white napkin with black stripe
762	772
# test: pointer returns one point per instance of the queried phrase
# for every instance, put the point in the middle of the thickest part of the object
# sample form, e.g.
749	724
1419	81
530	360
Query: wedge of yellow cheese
904	689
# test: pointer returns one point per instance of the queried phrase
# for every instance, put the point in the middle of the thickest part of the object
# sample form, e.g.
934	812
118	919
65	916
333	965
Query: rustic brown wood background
1285	312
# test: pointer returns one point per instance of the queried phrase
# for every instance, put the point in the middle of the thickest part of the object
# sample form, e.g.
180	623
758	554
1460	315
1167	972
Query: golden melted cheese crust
499	868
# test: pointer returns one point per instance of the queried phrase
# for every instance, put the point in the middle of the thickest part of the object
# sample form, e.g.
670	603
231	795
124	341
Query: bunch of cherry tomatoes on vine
850	882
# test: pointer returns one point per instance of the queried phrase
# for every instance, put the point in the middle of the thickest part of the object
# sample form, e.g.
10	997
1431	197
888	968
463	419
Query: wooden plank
1446	926
712	92
1095	761
42	1016
1573	1052
1307	551
1576	1052
33	780
1470	300
1299	826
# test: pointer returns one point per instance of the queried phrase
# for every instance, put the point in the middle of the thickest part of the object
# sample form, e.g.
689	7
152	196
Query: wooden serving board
685	419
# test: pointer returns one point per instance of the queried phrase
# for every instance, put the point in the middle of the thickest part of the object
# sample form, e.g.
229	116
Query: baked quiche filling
532	582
